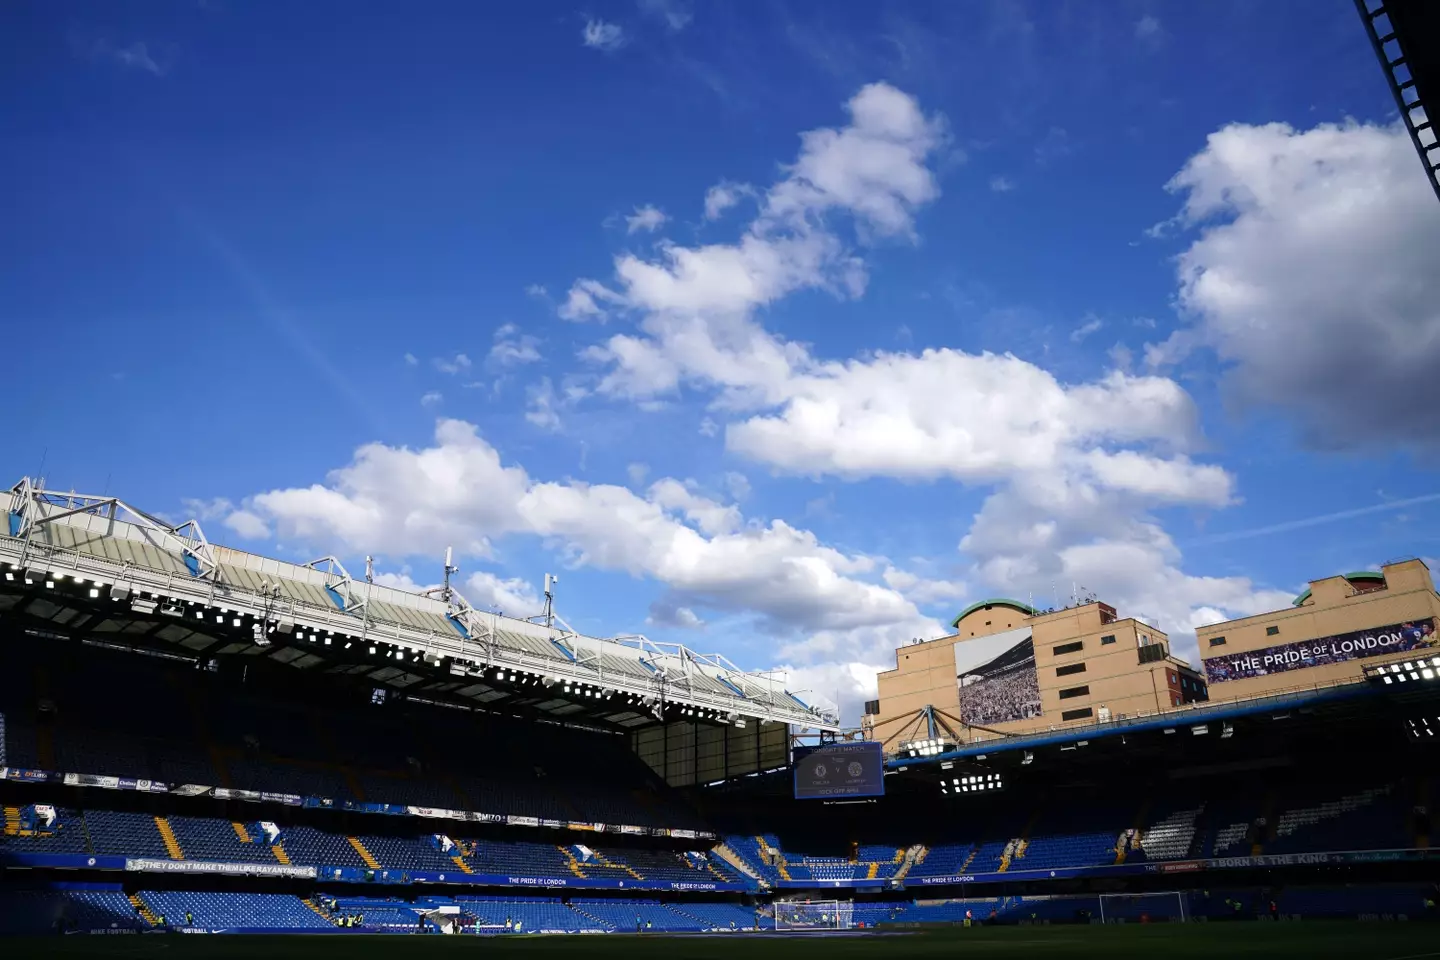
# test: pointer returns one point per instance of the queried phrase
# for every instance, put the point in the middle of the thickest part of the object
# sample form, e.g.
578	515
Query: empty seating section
408	853
43	911
219	911
627	915
1168	838
111	715
536	915
1365	819
309	845
125	834
527	859
210	839
66	835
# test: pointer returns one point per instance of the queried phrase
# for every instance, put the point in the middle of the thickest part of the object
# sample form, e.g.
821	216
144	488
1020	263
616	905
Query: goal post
1164	906
795	915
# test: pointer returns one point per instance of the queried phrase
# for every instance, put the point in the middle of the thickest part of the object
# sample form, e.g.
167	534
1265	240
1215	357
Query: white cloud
540	405
1091	325
247	525
431	399
508	595
584	299
675	14
723	196
400	502
512	348
1001	184
696	301
648	218
1314	275
537	291
203	510
665	614
135	56
921	590
459	363
637	472
737	484
411	360
599	35
1148	29
1075	467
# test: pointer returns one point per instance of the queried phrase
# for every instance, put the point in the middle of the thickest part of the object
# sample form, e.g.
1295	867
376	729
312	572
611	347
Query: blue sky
783	330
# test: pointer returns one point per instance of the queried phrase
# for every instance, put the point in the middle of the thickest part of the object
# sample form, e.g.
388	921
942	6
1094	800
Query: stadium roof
170	584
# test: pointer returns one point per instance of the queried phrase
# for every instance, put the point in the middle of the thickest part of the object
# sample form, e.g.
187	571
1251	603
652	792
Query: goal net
1169	906
814	914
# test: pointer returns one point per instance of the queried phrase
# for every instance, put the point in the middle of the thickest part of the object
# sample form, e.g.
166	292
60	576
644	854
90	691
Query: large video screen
839	770
996	677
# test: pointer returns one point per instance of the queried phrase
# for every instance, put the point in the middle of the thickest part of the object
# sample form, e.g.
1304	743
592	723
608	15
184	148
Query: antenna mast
548	614
450	568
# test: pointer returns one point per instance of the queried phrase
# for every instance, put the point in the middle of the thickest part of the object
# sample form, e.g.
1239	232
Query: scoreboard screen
840	770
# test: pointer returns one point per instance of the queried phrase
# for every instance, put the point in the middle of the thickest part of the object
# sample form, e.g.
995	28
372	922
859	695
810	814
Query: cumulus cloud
247	525
1075	469
648	219
1314	275
431	399
1001	184
600	35
723	196
508	595
540	405
459	363
512	348
401	502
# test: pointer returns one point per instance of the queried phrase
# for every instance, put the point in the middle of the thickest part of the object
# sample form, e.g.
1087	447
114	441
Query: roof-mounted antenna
548	614
450	568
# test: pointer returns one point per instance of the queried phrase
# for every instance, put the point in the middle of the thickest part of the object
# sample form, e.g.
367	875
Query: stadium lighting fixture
49	584
1226	731
9	575
1027	759
973	783
93	592
1423	728
925	748
372	648
1200	729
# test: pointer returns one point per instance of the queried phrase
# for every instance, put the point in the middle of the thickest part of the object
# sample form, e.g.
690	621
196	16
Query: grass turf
1274	941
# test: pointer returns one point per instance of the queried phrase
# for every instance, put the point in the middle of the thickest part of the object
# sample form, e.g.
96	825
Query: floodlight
118	591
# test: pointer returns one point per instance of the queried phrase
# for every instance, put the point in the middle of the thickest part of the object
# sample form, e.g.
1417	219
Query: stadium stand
246	911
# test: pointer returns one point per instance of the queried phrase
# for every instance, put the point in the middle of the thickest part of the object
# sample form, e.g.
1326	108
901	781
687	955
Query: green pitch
1272	941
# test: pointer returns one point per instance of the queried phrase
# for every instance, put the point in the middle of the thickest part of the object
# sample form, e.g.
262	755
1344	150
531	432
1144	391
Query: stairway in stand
570	861
280	854
142	909
12	821
172	845
366	857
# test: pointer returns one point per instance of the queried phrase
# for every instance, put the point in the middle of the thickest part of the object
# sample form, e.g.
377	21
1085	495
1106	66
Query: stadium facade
1010	669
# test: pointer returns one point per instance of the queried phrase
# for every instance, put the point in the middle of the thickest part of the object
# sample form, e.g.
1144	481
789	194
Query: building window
1108	638
1177	701
1271	631
1217	641
1080	714
1072	692
1065	648
1070	670
872	708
